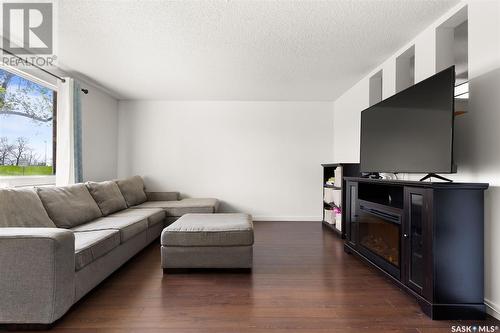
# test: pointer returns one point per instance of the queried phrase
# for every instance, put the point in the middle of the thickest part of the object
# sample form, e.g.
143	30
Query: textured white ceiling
235	50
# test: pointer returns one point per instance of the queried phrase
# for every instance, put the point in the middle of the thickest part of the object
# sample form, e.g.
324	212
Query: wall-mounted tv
412	131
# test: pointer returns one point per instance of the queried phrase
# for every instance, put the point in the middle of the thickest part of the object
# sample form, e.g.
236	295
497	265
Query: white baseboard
287	218
492	309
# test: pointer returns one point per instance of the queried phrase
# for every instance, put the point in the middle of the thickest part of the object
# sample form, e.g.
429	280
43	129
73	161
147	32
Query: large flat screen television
412	131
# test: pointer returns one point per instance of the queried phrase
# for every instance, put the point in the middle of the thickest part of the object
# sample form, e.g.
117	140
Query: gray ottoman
208	241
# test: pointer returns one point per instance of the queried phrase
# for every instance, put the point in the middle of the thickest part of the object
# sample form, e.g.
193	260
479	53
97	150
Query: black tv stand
429	175
433	240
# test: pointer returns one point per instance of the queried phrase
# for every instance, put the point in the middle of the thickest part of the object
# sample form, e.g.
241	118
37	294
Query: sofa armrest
37	274
162	196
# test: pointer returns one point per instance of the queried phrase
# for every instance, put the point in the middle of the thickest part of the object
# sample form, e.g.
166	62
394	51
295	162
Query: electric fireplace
380	235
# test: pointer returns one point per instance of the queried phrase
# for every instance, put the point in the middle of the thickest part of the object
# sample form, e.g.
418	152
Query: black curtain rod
85	91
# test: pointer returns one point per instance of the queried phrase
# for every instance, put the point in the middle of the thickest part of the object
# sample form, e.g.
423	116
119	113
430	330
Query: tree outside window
27	127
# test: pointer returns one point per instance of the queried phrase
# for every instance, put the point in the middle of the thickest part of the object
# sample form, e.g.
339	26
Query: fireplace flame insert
380	236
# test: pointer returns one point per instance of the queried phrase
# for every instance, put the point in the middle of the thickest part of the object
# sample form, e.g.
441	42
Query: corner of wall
100	134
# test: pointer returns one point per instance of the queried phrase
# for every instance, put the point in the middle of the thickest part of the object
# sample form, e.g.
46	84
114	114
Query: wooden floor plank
302	281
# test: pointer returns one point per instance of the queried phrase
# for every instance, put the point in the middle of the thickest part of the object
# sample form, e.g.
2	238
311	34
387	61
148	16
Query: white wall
257	157
99	135
347	112
476	133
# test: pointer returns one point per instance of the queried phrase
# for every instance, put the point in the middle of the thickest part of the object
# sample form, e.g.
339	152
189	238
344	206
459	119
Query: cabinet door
351	207
416	240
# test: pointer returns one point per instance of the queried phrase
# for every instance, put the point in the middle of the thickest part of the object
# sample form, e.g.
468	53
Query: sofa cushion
132	190
69	206
108	197
91	245
184	206
209	230
22	208
128	226
154	215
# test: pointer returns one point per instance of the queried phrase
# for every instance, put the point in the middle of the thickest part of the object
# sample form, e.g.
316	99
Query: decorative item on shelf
329	215
332	196
338	217
330	181
328	195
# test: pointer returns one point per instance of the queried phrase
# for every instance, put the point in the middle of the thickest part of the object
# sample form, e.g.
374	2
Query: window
27	127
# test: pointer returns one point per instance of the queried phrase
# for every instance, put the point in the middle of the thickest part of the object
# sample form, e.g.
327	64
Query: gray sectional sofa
58	243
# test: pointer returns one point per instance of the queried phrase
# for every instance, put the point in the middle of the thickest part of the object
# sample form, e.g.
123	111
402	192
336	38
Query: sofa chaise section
178	208
58	243
170	202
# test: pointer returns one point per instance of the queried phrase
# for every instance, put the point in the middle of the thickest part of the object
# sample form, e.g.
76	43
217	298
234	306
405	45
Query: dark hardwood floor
302	282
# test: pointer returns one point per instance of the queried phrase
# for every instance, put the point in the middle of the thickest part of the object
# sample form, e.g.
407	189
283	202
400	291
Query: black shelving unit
348	170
